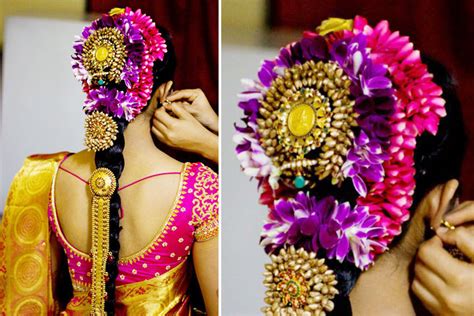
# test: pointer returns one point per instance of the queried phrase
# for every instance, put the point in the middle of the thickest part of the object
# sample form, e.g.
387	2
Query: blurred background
254	30
40	100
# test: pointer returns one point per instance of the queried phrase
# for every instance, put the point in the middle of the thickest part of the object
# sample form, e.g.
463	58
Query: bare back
146	204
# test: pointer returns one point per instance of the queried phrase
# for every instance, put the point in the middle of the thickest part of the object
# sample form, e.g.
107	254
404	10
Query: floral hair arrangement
329	132
113	58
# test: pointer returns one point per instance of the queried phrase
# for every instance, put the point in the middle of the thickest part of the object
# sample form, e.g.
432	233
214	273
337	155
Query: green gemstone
101	82
299	182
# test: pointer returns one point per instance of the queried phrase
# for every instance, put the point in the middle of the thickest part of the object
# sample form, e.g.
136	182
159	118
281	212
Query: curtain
441	29
194	27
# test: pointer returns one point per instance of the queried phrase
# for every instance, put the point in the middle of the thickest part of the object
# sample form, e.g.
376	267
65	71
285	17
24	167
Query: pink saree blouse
155	279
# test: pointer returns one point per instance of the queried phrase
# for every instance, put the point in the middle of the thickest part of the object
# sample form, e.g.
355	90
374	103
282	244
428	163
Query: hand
444	284
199	107
182	131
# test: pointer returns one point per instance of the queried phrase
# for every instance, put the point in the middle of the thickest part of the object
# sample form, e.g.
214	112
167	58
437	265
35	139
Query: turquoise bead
299	182
101	82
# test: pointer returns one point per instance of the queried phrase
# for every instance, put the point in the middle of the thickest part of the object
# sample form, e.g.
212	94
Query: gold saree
25	254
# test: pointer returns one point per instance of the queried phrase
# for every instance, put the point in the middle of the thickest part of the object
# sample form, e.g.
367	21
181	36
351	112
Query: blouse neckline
158	236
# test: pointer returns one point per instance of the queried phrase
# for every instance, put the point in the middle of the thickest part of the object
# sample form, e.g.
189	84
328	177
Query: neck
385	288
138	139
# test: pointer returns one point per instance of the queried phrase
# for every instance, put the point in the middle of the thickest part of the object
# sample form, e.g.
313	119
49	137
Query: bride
121	227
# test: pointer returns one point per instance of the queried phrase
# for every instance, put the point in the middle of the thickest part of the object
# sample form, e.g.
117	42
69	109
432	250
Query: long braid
112	159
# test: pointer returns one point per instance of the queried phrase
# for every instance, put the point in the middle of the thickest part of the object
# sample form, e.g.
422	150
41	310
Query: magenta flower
350	234
295	222
364	162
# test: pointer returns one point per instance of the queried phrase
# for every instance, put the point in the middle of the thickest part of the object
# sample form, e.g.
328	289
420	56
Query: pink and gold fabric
154	281
156	277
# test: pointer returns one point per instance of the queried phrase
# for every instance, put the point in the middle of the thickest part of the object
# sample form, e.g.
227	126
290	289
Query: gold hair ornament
102	184
308	108
101	131
298	284
104	55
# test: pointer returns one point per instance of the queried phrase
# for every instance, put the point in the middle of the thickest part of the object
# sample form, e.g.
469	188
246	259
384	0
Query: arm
205	258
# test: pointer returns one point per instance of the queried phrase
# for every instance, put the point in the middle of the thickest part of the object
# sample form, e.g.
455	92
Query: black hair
438	159
112	158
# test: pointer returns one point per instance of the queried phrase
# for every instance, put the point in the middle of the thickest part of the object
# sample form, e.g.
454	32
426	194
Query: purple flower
253	160
133	40
350	234
112	101
266	74
295	222
364	162
371	86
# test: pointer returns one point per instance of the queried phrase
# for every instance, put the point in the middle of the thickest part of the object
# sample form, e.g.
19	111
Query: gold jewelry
166	101
307	109
104	55
298	284
102	184
101	131
447	224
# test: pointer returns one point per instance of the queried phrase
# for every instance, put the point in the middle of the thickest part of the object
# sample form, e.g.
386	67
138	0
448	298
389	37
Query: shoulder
203	179
205	200
200	172
39	165
33	181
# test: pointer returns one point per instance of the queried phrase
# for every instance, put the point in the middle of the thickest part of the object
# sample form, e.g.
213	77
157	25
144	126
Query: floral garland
113	58
329	132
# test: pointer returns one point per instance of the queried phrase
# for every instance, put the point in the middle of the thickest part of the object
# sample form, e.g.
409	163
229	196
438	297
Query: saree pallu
25	252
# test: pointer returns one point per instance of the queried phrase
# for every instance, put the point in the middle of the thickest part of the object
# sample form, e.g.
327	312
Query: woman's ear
159	96
446	197
429	212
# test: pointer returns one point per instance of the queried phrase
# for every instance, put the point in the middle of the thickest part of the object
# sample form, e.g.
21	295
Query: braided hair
112	159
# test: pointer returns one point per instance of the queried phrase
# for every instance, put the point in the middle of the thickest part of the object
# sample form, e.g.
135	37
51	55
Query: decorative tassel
102	185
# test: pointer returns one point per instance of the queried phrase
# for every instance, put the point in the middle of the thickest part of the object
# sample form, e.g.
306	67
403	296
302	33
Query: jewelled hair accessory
329	132
113	58
102	185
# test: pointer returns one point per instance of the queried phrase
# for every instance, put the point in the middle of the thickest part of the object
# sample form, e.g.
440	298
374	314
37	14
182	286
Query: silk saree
154	281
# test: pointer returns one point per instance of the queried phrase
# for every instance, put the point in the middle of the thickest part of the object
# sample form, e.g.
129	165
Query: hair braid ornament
102	185
113	58
329	131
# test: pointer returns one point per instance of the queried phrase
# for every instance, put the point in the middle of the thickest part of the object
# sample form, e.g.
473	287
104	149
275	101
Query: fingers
460	237
425	296
158	133
463	214
187	94
432	254
162	116
178	110
428	278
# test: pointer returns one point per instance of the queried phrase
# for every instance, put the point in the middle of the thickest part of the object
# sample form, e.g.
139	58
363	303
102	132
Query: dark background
442	29
194	27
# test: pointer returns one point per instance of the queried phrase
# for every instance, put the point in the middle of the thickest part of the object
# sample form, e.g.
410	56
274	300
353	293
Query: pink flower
419	108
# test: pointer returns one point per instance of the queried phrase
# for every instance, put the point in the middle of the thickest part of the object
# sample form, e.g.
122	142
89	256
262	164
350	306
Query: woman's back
145	204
